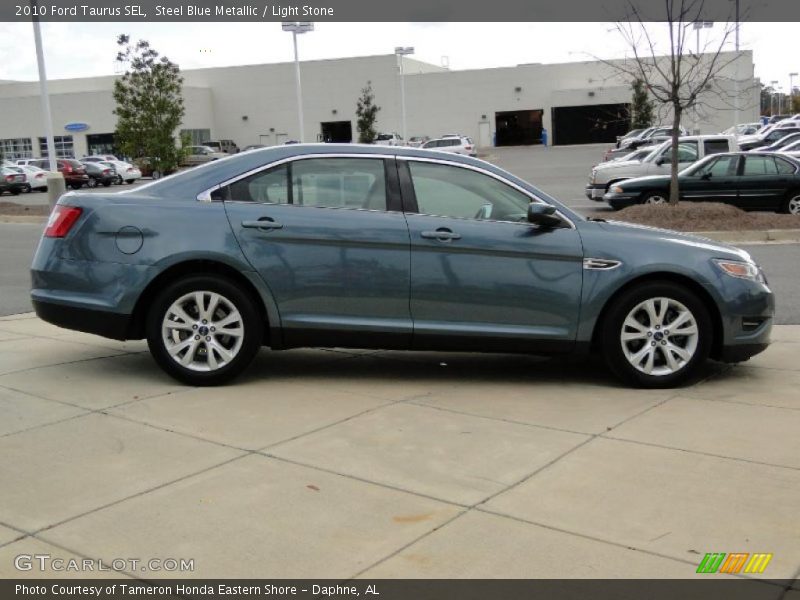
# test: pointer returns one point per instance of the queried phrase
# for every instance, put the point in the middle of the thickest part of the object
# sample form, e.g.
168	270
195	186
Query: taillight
10	178
61	221
106	171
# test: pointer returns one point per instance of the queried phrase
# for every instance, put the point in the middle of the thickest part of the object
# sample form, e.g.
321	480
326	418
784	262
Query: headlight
742	270
594	176
616	189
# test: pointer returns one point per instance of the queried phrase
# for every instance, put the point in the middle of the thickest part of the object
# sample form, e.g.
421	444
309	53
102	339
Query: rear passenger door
328	237
761	186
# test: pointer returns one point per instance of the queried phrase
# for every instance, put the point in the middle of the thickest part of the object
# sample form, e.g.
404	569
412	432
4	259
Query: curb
752	236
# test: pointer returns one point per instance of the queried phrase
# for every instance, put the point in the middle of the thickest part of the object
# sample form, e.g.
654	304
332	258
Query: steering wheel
484	212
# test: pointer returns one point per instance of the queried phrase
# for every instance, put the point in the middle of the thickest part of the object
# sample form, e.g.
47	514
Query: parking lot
341	463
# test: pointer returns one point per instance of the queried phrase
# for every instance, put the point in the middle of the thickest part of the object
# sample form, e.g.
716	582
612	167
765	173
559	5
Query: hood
661	179
617	164
721	249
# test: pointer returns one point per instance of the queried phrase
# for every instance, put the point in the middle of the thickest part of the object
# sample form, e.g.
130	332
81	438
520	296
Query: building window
197	136
63	146
12	149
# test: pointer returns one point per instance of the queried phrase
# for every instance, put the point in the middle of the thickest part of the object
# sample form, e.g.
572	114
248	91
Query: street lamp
298	27
400	52
772	98
698	25
45	97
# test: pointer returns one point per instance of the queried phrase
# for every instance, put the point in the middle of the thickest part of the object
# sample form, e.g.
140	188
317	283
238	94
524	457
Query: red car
73	171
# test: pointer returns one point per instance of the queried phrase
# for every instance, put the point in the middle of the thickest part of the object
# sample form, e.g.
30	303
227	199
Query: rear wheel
792	204
203	330
656	335
92	183
655	198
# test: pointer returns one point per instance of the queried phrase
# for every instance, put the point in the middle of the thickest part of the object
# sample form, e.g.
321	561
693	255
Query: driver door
716	181
482	276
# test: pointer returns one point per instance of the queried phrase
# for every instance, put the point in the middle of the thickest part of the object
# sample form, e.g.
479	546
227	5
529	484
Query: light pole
772	98
400	52
298	27
46	116
698	25
791	91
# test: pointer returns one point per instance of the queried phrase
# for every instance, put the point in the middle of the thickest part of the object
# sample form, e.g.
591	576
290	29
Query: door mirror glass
543	215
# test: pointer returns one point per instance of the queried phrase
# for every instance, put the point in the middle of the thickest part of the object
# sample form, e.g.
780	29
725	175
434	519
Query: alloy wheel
659	336
793	205
202	331
655	199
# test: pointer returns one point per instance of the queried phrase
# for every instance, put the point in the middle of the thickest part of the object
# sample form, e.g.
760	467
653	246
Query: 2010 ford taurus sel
397	248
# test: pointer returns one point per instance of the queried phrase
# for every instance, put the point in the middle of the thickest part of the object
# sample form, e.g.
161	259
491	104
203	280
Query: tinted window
759	165
784	166
339	183
462	193
268	187
719	167
715	146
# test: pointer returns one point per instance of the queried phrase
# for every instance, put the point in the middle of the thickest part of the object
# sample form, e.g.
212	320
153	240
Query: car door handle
442	234
262	223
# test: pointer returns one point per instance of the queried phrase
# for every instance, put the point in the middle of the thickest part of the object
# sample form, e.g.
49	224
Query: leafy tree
366	115
149	104
641	106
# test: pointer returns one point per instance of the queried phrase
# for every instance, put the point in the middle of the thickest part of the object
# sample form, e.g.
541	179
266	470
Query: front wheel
203	330
655	198
656	335
92	183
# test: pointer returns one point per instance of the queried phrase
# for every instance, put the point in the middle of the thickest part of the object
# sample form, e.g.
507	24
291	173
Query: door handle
442	234
262	223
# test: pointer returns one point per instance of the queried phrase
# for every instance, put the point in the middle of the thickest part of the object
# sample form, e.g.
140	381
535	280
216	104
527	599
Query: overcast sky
83	49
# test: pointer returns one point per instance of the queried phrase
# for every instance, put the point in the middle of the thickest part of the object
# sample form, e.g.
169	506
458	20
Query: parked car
780	143
99	158
100	174
616	154
743	129
417	140
690	149
224	146
126	172
769	135
197	155
454	144
74	171
253	147
35	178
12	181
388	139
751	181
649	136
339	245
25	161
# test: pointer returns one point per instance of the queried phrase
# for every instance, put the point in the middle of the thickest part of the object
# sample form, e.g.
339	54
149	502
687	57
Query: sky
84	50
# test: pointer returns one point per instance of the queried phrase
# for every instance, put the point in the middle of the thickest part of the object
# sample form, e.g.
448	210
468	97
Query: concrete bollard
56	186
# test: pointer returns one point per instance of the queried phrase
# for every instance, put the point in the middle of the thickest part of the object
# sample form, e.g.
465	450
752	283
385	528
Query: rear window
383	136
715	146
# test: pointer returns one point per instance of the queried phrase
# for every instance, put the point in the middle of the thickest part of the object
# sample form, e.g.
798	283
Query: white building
579	102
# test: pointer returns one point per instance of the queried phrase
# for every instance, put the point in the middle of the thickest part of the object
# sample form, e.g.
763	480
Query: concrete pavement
338	464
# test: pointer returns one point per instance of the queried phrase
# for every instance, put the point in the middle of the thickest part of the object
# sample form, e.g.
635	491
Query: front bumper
595	191
619	201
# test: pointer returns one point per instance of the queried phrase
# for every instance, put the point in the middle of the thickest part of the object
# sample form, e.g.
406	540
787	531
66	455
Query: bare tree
676	80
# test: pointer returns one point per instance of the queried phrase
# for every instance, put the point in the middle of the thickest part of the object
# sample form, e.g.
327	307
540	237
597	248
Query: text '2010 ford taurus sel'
396	248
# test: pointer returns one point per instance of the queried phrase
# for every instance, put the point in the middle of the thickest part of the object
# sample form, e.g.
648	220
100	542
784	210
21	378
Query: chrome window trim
205	195
523	191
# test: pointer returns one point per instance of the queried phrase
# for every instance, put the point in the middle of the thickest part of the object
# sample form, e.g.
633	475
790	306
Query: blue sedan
376	247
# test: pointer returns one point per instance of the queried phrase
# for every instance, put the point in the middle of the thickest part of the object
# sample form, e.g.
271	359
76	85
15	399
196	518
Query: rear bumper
595	191
97	322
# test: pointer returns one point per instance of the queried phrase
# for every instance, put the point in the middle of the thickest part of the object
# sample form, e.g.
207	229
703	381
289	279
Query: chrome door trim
205	195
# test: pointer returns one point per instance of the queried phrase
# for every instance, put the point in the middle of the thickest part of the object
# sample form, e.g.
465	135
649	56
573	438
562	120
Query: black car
12	182
99	174
748	180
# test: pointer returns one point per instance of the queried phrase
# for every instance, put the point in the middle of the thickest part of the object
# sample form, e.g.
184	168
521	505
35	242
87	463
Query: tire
156	175
203	367
15	192
792	203
92	183
628	357
118	180
26	189
107	183
655	198
129	181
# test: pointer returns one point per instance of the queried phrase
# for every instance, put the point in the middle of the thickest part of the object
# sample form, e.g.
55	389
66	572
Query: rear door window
759	166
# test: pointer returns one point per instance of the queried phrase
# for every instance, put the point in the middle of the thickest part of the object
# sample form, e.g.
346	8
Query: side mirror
543	215
663	160
706	176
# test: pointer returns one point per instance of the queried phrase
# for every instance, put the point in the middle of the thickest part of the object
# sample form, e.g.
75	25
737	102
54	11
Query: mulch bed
705	216
14	209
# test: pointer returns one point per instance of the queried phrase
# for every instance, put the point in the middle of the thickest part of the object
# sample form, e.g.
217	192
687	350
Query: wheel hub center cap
203	330
658	336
